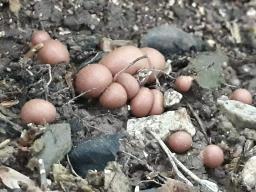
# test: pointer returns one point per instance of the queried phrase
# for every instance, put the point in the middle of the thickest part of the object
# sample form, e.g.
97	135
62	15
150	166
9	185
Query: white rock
240	114
249	173
171	97
161	124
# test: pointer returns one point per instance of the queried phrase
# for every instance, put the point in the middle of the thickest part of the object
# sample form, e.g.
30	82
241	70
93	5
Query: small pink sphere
39	37
183	83
38	111
242	95
212	156
180	141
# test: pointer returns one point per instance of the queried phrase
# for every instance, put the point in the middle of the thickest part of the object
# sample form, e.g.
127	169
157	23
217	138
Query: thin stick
42	172
157	70
4	143
205	183
131	64
93	59
201	125
33	50
78	96
49	81
170	157
71	167
6	120
131	155
50	74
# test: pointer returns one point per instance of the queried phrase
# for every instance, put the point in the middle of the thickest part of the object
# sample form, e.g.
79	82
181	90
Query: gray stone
249	173
171	97
161	125
169	40
52	146
249	134
240	114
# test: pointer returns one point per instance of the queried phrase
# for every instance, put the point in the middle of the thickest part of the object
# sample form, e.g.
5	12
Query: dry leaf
173	185
12	179
208	67
15	6
10	103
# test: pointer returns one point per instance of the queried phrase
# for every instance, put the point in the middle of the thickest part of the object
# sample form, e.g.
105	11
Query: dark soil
81	25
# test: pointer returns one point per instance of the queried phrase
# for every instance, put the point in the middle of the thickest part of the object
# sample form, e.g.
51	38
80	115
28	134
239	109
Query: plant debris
14	179
114	179
68	181
208	68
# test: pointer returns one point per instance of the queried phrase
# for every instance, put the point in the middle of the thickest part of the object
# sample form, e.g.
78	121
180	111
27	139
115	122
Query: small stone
249	173
94	154
169	40
240	114
52	146
249	134
161	124
171	97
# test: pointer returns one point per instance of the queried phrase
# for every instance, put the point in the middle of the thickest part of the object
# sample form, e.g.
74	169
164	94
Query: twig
49	81
157	70
78	96
228	85
93	59
6	120
42	172
71	167
204	183
131	64
170	157
4	143
201	125
50	74
140	160
131	155
33	50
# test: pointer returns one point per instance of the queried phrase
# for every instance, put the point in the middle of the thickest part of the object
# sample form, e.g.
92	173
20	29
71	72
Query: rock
115	180
94	154
249	173
171	97
252	84
240	114
161	124
249	134
52	146
169	40
79	19
226	127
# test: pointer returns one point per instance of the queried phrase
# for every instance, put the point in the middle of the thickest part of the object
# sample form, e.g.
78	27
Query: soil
81	25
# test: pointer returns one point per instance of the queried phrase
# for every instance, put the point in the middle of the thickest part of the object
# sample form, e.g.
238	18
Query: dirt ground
81	25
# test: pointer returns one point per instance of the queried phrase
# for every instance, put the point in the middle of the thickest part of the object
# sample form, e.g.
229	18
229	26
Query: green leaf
208	68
